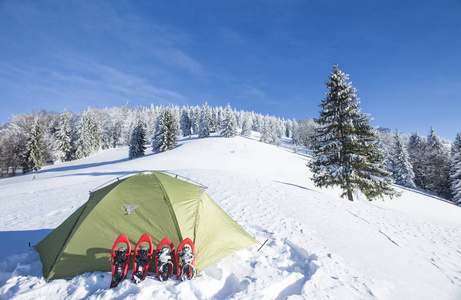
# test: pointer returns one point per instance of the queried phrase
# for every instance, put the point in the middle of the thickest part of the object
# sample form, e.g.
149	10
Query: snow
319	246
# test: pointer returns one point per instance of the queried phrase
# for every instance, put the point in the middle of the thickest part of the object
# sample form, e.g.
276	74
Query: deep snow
319	245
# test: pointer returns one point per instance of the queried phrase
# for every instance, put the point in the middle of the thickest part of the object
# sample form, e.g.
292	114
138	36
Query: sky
270	57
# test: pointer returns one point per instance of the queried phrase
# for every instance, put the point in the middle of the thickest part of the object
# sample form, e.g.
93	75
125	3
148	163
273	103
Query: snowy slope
319	245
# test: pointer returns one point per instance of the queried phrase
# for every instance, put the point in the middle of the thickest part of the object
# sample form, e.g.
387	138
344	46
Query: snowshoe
185	259
164	258
120	259
142	258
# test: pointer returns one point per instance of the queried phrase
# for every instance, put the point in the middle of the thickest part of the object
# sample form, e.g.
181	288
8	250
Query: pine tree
64	137
247	126
455	176
33	156
295	137
166	131
258	123
402	169
138	140
215	121
346	152
289	128
416	150
89	141
185	122
270	133
195	118
205	122
438	166
229	123
387	160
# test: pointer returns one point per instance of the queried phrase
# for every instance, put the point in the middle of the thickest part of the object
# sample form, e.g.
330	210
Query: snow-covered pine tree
402	169
346	152
64	137
280	125
305	132
151	121
14	141
229	123
33	156
195	118
138	140
166	131
455	176
270	131
288	128
372	178
416	150
295	135
89	141
258	122
185	122
215	120
247	126
438	165
239	118
111	126
127	123
205	121
387	160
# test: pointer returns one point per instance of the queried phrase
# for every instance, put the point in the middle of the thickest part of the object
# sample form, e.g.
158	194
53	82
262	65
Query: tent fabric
166	207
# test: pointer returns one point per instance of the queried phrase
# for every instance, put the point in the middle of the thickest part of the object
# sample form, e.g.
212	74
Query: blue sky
271	57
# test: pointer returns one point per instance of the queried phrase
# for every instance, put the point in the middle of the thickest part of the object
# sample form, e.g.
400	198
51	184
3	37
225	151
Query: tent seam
197	209
170	207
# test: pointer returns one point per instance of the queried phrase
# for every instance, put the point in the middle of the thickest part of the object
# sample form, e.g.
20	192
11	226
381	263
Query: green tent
149	202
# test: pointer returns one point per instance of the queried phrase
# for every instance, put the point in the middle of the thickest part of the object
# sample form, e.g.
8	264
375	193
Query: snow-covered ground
319	245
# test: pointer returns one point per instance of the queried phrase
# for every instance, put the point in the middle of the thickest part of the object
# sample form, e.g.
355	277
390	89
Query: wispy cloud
162	43
250	91
86	81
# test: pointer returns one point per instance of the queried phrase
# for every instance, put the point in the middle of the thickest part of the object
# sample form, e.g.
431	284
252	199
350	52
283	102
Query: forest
30	141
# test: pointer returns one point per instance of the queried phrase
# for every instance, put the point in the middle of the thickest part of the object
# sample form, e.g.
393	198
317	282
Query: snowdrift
318	245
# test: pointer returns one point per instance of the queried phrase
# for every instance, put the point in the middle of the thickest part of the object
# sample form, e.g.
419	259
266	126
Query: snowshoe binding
142	258
185	259
120	259
164	258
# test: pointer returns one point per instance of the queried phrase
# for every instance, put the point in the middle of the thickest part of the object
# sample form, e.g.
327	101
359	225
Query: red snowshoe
120	259
142	258
185	259
164	258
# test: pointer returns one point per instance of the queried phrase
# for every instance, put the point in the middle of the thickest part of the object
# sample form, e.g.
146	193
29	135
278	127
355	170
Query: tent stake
262	245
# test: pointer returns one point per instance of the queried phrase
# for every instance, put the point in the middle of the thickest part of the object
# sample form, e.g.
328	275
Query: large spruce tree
346	151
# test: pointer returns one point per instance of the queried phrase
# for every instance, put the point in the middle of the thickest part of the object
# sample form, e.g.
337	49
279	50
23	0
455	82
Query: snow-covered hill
319	245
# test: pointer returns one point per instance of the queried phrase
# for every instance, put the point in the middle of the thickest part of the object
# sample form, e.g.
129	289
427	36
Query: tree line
347	151
30	141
